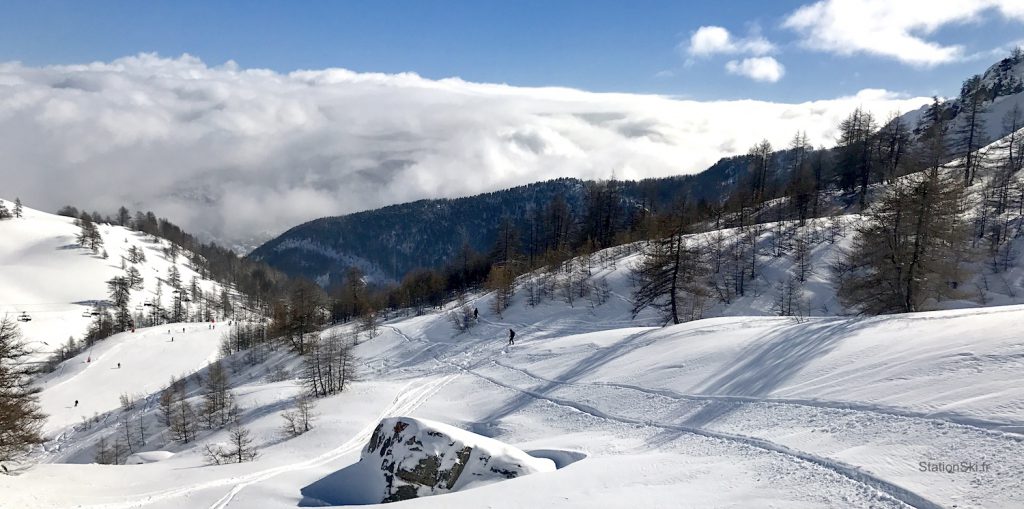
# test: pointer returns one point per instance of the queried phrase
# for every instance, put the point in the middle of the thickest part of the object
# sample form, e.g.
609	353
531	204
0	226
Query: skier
476	313
511	337
172	339
118	365
76	403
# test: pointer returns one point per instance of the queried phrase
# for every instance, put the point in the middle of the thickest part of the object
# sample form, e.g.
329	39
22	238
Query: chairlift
86	314
94	313
24	317
138	308
148	304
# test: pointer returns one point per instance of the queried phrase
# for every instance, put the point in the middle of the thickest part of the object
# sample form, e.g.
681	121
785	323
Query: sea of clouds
239	154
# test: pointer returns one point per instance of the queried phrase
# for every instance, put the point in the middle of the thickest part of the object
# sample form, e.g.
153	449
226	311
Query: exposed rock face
417	458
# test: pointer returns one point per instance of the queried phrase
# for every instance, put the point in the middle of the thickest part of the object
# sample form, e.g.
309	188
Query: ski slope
136	363
44	273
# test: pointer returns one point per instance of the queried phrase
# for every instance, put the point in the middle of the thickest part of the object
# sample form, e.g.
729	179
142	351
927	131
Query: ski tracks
855	474
995	428
410	397
403	404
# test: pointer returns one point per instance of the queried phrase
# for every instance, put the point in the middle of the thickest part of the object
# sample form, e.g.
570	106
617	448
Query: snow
136	363
45	274
408	458
740	409
141	458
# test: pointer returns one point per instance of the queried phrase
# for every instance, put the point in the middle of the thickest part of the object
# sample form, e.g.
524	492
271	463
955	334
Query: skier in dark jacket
511	337
476	313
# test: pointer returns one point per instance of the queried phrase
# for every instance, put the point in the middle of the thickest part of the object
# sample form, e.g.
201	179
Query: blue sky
595	45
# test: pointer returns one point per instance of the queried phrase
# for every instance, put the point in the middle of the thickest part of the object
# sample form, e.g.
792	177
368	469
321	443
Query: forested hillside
386	244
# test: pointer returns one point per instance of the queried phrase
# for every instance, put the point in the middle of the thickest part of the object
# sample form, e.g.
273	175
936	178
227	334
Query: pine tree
225	303
20	416
760	170
194	290
672	274
501	281
855	145
240	444
893	142
102	326
970	132
119	289
4	213
908	252
134	278
17	208
603	213
217	399
183	416
105	454
123	216
174	277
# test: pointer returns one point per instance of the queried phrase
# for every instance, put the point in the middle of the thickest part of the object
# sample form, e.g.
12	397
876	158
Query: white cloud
757	68
239	152
714	40
893	29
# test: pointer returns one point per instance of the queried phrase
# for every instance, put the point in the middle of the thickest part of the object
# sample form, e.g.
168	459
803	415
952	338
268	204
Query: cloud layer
238	153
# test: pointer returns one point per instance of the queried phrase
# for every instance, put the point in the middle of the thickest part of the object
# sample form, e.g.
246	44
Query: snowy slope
136	363
44	273
741	411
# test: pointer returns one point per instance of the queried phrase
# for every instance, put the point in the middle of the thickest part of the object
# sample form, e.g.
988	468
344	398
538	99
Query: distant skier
511	337
76	403
476	313
172	339
182	330
118	365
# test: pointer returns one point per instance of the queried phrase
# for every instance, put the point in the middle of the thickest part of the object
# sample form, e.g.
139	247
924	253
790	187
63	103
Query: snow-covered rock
416	458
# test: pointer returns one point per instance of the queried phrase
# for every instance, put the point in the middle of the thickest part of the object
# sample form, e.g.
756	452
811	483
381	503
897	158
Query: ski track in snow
854	474
848	425
995	428
408	405
405	402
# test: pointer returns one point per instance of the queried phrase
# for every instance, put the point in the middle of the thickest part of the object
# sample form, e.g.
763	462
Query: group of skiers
476	316
212	327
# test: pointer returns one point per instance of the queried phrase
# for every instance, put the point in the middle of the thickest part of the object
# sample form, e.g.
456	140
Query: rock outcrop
417	458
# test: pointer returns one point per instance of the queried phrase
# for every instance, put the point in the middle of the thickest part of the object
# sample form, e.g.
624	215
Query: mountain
1000	87
387	243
